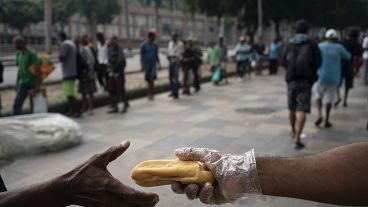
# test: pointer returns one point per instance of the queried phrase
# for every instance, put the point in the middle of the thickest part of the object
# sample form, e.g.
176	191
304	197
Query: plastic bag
39	103
36	133
217	75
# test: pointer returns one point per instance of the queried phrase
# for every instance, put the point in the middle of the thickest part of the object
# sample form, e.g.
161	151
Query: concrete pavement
231	119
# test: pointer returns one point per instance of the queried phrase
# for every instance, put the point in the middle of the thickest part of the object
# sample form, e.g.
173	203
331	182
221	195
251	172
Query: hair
19	39
62	35
301	27
151	34
100	35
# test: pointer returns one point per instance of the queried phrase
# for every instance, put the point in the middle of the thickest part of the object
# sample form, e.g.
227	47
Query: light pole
48	24
260	18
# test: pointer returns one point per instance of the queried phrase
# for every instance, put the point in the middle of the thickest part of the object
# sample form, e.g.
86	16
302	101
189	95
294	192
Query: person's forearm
338	176
48	194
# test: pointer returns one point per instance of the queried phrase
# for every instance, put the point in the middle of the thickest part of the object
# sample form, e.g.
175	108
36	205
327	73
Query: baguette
164	172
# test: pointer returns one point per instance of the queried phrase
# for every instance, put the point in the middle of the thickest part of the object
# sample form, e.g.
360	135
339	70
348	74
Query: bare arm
338	176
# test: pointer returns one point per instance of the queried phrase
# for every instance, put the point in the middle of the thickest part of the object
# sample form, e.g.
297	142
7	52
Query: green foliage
18	14
104	11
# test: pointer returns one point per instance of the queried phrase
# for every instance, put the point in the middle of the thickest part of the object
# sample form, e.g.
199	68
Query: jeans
174	77
22	93
273	66
241	67
102	75
196	77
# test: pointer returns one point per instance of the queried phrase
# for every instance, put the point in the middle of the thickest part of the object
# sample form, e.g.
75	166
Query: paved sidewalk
215	118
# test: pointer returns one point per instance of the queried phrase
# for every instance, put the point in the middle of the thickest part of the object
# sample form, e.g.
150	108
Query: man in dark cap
301	59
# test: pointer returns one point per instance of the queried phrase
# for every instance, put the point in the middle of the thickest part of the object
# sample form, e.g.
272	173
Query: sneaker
298	145
318	121
337	103
328	125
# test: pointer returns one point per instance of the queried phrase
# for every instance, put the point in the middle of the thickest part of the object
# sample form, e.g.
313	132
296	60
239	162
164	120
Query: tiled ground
208	119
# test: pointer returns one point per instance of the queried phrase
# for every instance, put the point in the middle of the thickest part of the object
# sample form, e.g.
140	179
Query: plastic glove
236	176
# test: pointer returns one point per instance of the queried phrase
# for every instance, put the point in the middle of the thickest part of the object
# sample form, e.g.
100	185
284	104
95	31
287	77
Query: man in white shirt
365	57
175	52
102	74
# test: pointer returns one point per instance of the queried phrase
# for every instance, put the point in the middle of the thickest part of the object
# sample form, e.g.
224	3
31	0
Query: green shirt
24	60
213	56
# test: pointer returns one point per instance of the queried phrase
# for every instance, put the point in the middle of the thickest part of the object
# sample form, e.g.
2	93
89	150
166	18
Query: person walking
274	57
197	65
301	59
87	83
365	58
213	57
329	74
102	75
223	57
68	59
175	51
26	82
242	50
149	61
116	73
188	63
347	70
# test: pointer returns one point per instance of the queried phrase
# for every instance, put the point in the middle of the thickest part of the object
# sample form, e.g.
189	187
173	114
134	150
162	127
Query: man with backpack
301	60
68	59
26	81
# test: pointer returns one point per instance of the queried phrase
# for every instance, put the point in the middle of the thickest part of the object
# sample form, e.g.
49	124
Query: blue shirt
329	72
149	52
274	51
242	51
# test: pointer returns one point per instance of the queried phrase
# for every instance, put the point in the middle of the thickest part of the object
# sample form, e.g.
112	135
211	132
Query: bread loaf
164	172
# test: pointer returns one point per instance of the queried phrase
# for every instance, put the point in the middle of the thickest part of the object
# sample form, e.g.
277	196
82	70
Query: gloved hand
236	176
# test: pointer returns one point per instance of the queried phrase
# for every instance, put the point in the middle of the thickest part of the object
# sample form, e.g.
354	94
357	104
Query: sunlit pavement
231	118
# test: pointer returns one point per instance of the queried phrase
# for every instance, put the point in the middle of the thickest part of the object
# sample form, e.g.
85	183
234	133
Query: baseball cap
331	33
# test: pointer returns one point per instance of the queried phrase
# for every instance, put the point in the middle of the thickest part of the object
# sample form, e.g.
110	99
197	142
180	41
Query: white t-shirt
102	53
365	46
176	49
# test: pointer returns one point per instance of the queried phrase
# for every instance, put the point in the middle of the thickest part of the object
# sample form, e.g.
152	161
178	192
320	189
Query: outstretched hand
91	184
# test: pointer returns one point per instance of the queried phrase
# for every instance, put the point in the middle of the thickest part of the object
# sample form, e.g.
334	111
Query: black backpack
82	65
301	63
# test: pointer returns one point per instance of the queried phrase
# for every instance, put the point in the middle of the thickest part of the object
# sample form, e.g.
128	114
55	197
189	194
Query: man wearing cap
301	59
26	80
242	50
329	74
68	59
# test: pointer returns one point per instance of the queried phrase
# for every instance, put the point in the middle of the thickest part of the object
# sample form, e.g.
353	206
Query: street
231	118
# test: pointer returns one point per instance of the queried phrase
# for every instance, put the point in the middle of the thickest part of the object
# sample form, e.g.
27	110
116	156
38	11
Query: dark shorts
150	72
299	96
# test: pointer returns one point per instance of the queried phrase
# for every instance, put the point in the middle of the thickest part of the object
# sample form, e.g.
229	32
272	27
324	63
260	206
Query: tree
19	14
95	11
62	12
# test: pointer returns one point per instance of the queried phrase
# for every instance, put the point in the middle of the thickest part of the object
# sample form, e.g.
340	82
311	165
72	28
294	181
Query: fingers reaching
114	152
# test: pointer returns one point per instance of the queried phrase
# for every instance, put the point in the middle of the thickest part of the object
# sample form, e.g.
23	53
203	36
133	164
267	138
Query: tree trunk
93	26
48	24
172	11
127	24
157	19
277	29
